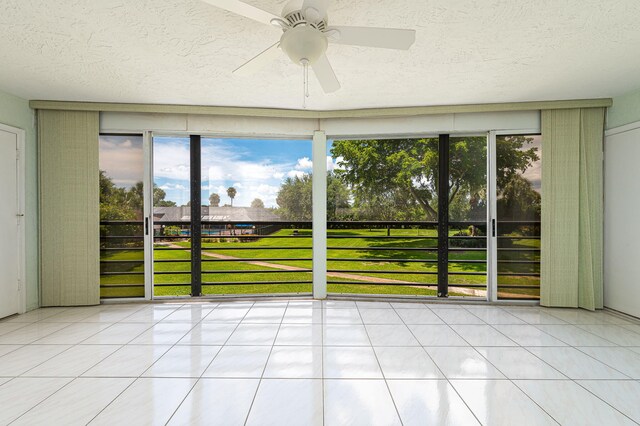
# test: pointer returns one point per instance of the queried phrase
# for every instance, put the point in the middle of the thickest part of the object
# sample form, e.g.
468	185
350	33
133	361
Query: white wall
622	219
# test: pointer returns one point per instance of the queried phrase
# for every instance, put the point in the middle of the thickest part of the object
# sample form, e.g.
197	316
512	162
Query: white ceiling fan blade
387	38
315	10
241	8
259	61
325	75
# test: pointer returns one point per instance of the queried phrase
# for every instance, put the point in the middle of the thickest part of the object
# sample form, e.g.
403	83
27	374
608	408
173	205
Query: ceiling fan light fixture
304	43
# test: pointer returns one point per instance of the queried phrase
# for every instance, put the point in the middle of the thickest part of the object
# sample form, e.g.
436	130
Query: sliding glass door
408	216
445	215
518	205
231	216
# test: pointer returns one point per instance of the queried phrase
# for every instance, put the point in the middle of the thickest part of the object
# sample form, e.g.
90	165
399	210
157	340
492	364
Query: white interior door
10	301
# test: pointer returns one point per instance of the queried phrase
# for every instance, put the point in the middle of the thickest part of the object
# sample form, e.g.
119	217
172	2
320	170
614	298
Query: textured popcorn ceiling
183	52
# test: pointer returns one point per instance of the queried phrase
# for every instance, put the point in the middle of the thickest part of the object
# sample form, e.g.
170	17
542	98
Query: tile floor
310	363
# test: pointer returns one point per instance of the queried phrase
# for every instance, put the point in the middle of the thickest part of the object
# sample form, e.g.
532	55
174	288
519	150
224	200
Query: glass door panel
256	216
121	216
518	196
382	211
171	216
468	199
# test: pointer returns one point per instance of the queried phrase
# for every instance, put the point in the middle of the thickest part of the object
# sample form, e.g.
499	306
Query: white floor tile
482	335
31	333
518	363
528	335
373	305
456	316
570	404
380	316
488	401
299	334
118	334
358	402
239	361
407	363
189	313
492	315
340	304
623	395
419	316
114	314
287	402
350	363
23	393
345	335
437	335
574	336
391	335
75	404
8	327
73	362
575	364
73	334
259	315
342	316
150	314
429	402
303	362
208	333
305	315
534	316
254	334
24	359
227	314
463	363
129	361
5	349
163	334
614	333
146	401
183	361
622	359
33	316
216	402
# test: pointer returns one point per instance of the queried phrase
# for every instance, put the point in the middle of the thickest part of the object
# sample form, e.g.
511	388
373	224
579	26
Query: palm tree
231	192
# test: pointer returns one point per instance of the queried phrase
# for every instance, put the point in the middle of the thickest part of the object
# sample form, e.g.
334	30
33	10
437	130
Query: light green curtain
572	208
69	208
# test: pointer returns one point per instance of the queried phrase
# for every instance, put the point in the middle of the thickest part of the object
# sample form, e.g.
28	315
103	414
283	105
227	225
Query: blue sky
255	167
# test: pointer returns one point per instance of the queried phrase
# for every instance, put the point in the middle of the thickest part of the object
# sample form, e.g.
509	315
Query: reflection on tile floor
318	363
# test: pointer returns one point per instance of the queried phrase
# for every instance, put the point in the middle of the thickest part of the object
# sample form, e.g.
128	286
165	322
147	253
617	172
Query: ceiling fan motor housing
303	43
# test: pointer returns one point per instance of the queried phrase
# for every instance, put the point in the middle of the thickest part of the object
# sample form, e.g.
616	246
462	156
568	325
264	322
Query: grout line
378	361
212	359
437	366
265	365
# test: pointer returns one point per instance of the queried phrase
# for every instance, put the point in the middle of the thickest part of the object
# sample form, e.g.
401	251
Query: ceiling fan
306	35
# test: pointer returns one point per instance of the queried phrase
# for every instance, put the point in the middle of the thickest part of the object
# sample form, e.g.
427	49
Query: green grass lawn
380	257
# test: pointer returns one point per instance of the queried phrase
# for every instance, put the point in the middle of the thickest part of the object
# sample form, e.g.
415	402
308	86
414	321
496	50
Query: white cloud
296	173
333	165
304	163
278	175
122	159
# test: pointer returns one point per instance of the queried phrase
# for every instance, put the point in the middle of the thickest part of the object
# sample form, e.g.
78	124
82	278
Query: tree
257	204
231	192
158	198
214	200
295	198
405	171
518	200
